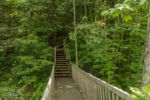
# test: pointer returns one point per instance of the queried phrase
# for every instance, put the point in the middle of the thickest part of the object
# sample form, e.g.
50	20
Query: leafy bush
141	94
30	66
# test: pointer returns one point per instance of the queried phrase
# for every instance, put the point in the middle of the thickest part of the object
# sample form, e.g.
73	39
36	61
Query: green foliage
31	66
141	94
114	55
25	55
112	46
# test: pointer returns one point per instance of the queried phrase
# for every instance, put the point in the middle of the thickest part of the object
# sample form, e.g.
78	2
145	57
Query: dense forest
109	36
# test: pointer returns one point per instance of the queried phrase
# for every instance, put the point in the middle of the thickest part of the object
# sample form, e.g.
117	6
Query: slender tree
75	31
146	70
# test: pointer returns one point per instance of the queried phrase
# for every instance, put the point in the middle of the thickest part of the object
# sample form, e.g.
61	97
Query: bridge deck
67	89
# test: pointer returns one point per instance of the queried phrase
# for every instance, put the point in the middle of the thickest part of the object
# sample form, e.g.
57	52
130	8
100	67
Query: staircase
62	68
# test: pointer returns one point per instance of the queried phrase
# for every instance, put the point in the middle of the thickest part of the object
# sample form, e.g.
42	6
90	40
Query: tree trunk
146	70
85	8
75	31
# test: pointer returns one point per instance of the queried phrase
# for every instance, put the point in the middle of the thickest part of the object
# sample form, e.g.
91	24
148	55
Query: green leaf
127	18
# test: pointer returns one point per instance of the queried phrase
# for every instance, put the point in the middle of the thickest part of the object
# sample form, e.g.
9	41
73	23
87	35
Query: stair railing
49	90
96	89
66	51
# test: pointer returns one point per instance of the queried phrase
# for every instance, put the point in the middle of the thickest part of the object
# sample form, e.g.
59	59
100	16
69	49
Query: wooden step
59	49
63	72
60	54
64	64
61	60
63	75
62	69
60	65
60	57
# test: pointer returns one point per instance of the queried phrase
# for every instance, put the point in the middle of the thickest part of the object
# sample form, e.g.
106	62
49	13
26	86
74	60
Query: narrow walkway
67	89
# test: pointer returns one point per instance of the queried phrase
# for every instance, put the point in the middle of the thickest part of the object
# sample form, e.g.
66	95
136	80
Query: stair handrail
67	51
95	89
49	90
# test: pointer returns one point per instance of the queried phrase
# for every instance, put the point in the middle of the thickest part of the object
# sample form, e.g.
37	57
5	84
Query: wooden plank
95	90
117	97
122	99
98	92
109	96
106	94
113	96
101	93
